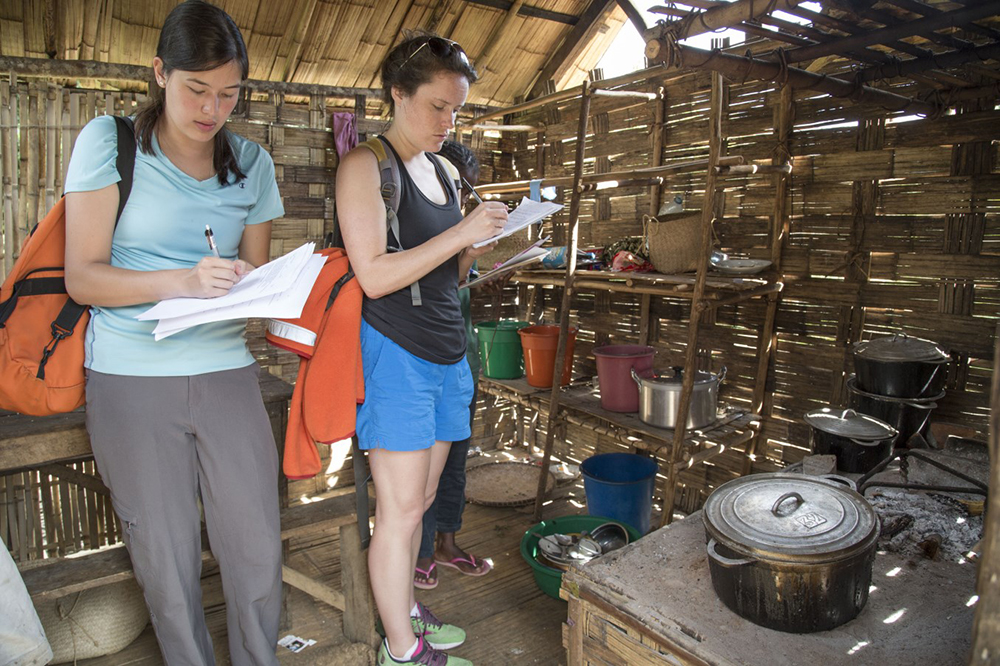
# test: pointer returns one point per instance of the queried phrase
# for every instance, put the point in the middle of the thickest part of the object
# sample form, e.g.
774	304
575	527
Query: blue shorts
410	403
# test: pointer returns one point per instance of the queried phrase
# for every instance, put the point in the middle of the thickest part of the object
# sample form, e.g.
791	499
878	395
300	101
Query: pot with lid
660	396
899	366
791	552
857	440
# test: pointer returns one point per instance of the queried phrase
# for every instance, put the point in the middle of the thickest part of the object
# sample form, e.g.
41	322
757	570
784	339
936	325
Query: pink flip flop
471	560
423	578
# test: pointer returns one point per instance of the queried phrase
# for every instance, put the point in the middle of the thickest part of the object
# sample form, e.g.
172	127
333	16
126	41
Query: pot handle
636	378
839	480
918	405
722	374
777	503
723	561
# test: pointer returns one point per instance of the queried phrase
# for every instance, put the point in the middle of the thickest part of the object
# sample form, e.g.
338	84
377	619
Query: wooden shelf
719	287
580	404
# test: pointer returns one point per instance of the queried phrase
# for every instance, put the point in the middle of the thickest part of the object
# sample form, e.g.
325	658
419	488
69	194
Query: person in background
182	419
444	518
418	386
22	637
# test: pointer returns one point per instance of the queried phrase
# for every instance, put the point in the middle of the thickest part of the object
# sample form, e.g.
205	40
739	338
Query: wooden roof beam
634	16
104	71
494	39
723	16
955	18
948	60
572	44
922	9
742	68
889	20
528	11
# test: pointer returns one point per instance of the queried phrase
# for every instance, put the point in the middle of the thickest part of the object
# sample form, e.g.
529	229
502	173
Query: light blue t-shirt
163	227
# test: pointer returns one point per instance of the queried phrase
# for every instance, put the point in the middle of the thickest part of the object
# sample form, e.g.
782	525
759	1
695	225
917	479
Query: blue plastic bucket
620	486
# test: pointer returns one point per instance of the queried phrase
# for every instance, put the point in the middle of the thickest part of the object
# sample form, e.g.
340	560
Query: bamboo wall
893	228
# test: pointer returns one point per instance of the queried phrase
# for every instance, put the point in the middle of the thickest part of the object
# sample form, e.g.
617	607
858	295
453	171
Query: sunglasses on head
440	47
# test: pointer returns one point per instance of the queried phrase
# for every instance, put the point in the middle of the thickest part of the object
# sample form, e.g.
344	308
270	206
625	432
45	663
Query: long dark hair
411	64
196	37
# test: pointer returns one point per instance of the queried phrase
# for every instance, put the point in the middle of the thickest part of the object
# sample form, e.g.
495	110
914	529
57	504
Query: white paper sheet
286	304
271	278
528	212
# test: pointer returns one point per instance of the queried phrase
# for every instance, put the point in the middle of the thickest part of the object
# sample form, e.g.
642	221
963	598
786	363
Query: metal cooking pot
659	398
859	441
907	415
899	366
790	552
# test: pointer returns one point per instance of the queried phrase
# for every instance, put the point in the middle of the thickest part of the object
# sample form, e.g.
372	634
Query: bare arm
362	220
90	278
255	247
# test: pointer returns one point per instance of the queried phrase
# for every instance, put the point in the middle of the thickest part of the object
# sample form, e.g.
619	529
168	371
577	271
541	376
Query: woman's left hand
476	252
242	269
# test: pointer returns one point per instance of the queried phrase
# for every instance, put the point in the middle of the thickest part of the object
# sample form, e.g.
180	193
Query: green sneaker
441	636
425	656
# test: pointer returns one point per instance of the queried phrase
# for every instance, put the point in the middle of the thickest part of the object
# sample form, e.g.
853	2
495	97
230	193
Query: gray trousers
159	443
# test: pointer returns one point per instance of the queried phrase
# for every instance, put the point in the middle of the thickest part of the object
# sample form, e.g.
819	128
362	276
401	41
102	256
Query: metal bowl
609	536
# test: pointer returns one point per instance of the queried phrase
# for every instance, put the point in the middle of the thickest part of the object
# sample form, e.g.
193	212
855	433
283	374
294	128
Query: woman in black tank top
408	405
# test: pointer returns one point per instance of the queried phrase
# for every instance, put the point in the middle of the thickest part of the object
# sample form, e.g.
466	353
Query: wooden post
571	237
656	148
697	307
986	622
762	400
359	604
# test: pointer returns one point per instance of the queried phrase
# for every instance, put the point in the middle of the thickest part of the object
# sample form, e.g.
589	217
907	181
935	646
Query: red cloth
330	383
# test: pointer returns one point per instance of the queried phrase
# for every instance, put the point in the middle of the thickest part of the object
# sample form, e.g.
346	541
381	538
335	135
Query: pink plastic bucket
619	392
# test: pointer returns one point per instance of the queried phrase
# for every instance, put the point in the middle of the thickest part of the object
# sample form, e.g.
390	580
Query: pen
211	241
472	190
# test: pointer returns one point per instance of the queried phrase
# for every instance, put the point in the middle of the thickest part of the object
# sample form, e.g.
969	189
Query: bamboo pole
572	233
715	140
949	60
986	622
742	68
722	16
8	173
656	149
51	145
104	71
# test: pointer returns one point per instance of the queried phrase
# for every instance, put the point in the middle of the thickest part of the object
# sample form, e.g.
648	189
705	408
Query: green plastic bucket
500	348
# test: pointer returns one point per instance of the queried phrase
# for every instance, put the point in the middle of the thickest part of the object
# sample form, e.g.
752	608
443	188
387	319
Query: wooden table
652	602
49	443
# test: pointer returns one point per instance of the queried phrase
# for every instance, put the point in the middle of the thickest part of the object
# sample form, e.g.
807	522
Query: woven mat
504	484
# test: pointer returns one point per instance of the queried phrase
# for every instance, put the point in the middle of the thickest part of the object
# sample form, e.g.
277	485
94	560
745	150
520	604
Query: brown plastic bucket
540	344
619	392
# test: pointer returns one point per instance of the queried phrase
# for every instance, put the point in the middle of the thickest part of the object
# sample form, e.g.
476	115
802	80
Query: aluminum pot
857	440
898	366
791	552
907	415
659	397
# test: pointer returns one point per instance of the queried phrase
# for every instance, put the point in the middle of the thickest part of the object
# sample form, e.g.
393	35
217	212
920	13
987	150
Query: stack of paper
527	256
527	213
277	289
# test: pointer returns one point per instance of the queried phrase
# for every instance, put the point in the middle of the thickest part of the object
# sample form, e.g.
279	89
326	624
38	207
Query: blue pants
445	515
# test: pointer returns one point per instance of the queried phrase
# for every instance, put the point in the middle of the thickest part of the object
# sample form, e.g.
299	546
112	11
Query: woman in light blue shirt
182	419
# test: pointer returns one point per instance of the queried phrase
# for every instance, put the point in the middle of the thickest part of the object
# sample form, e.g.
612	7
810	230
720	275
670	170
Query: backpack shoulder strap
391	190
454	177
125	161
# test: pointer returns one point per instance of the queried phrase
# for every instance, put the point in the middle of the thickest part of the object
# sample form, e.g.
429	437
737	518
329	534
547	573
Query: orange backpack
41	328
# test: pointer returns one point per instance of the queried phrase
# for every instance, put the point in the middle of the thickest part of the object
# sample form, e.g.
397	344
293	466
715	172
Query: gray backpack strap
389	187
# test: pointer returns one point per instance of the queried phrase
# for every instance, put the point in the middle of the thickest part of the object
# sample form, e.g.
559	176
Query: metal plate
790	518
741	266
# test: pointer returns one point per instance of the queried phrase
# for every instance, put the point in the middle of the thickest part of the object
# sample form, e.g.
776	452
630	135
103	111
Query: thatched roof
337	42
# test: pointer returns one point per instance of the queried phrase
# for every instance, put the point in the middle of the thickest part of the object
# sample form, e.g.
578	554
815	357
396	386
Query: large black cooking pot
899	366
859	441
907	415
790	552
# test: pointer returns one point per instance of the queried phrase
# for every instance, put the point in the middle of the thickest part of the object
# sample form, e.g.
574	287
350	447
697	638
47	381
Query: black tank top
435	330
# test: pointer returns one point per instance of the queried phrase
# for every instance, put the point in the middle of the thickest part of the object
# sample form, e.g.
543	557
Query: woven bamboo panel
893	227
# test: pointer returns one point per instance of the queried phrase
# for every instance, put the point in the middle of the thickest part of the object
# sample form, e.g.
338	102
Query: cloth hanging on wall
345	131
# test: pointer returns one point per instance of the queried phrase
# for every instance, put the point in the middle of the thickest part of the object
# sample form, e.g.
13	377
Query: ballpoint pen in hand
472	191
211	241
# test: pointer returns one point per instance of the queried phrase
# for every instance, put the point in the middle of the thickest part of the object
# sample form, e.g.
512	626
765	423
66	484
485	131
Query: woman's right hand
487	220
210	278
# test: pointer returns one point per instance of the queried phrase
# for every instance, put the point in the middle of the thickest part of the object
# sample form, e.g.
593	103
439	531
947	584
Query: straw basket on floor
674	241
94	622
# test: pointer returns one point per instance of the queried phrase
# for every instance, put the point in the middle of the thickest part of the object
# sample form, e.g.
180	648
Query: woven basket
674	242
95	622
504	484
